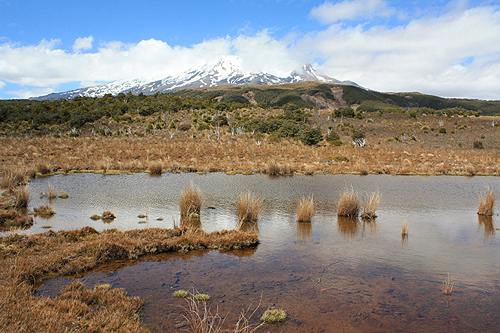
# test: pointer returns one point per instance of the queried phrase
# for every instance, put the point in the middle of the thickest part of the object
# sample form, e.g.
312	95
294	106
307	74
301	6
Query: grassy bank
29	260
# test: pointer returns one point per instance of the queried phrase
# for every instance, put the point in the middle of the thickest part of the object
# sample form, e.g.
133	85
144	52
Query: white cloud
456	54
83	43
329	12
27	93
2	84
421	56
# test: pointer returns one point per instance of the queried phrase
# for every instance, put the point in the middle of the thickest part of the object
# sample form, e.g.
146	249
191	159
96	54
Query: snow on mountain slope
226	71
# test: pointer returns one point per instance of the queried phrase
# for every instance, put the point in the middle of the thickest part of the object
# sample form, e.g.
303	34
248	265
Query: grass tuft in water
447	286
21	197
248	207
305	209
190	201
44	211
370	208
348	205
108	216
487	203
404	229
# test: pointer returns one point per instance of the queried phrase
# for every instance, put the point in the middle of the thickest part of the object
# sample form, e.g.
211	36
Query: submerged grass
487	203
305	209
28	260
248	207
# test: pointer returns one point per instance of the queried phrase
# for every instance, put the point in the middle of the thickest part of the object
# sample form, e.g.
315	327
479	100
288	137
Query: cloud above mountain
455	54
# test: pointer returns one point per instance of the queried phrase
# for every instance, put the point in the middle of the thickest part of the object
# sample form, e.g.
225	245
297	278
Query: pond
329	275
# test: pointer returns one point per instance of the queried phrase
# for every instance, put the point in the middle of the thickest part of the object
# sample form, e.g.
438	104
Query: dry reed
404	229
305	209
348	205
447	286
248	208
190	202
487	203
370	208
156	168
22	197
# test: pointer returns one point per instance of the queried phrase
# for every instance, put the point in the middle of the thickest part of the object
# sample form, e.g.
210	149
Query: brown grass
27	260
237	153
487	203
348	205
22	197
190	202
404	229
43	168
274	168
44	211
248	207
156	168
305	209
447	286
370	208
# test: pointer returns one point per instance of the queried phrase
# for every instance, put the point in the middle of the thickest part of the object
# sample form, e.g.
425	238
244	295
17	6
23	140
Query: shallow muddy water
329	275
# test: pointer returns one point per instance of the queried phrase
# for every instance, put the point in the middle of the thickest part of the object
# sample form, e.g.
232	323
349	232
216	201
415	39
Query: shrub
478	145
344	112
184	127
442	130
332	137
310	136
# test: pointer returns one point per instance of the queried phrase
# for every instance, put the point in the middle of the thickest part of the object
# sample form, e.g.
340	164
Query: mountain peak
224	71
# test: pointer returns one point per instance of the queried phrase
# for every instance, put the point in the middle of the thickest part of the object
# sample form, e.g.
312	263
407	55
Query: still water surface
332	274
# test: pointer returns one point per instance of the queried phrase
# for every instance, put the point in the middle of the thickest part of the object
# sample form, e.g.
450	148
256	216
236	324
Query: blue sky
446	48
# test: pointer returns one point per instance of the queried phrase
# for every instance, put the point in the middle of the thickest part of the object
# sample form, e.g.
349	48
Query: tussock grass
156	168
12	178
108	216
487	203
447	286
305	209
248	207
43	168
21	197
370	208
27	260
274	168
348	205
180	293
404	229
44	211
190	202
52	192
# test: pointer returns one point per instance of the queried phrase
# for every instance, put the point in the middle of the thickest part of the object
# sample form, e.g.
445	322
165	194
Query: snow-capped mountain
226	71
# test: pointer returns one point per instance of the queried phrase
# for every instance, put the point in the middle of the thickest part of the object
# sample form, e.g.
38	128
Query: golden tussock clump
487	203
370	208
190	202
248	208
305	209
348	205
156	168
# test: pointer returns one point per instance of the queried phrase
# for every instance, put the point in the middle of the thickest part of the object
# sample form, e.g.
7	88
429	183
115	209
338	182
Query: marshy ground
394	144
